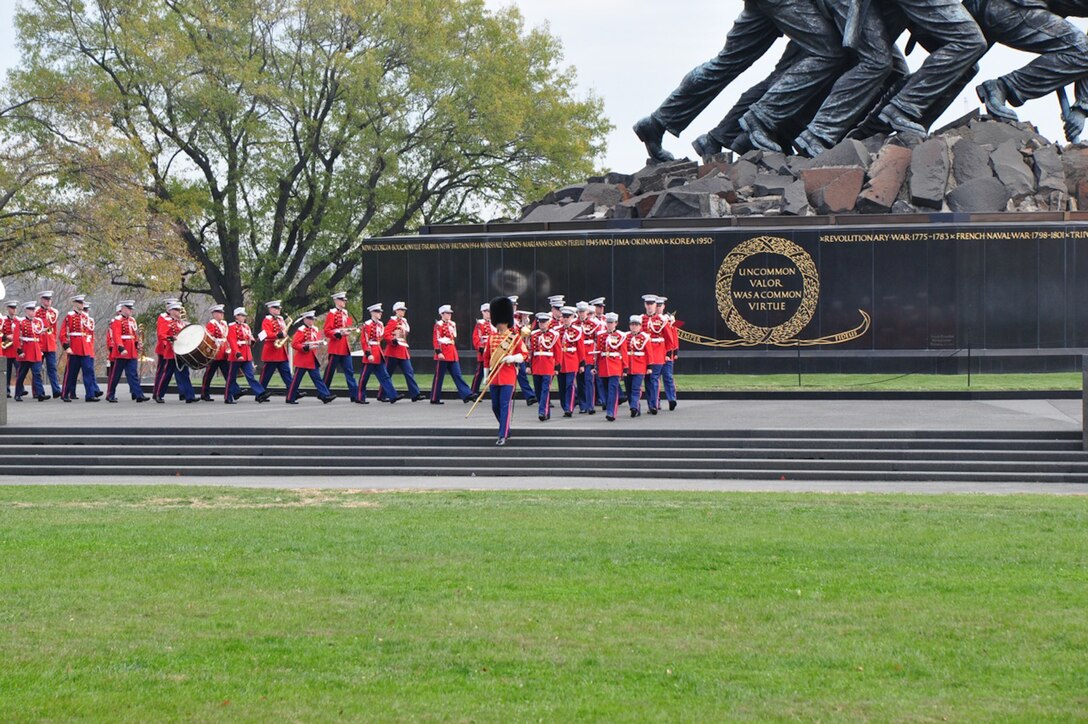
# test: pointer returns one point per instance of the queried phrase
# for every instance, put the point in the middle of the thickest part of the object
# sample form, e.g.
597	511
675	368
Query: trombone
281	343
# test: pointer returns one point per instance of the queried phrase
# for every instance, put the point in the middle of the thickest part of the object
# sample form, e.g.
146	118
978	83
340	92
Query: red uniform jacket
372	338
543	347
162	329
240	340
338	322
572	353
638	352
611	354
173	326
9	326
270	328
672	340
480	334
590	330
445	340
219	331
123	338
76	334
49	318
305	356
655	327
28	340
396	345
506	374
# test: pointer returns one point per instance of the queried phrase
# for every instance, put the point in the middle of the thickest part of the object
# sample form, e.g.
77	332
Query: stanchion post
4	406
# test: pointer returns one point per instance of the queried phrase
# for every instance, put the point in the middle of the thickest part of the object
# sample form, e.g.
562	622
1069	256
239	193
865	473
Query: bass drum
195	347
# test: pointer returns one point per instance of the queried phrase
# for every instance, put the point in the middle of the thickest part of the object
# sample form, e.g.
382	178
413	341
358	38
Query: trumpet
281	343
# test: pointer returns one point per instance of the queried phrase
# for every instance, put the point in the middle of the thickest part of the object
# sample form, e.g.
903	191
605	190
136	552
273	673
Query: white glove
513	359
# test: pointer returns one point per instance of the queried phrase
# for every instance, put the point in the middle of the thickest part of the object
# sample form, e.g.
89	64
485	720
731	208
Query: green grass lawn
829	382
145	604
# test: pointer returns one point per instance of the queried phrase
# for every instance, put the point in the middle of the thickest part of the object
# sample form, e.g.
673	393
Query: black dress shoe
592	412
542	418
672	405
111	399
292	402
530	403
653	411
160	400
98	394
66	399
609	418
91	399
393	400
43	398
206	398
500	442
568	414
263	397
191	401
142	399
419	397
328	399
18	398
635	413
57	394
437	402
467	400
229	402
241	394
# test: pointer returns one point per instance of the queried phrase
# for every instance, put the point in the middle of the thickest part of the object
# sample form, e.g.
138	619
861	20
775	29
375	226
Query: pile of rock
973	165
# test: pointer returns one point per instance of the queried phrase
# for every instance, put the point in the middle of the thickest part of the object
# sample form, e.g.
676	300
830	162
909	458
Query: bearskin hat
502	311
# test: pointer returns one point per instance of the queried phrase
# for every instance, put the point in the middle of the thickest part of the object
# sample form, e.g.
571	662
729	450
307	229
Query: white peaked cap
662	300
11	303
46	295
543	316
241	311
308	315
485	307
29	305
513	298
598	302
340	295
400	305
523	313
566	311
79	298
635	319
218	308
274	303
167	302
612	317
175	305
582	306
445	308
130	303
649	298
118	308
375	307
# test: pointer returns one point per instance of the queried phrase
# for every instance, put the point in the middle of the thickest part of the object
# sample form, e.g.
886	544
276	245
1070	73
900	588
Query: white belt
612	354
639	354
75	334
543	354
657	339
29	339
571	349
445	340
127	336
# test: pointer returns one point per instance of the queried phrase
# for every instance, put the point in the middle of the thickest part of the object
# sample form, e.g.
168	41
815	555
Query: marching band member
337	326
598	313
612	361
162	331
446	358
77	341
587	379
556	303
171	368
654	325
505	354
240	354
672	351
480	334
397	355
543	347
90	345
638	343
29	331
571	359
305	343
9	328
49	318
274	352
124	348
373	334
522	322
217	328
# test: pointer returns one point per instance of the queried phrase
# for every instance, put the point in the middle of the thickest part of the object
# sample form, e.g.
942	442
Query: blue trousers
405	367
523	381
220	366
284	368
131	369
634	391
49	359
77	363
501	397
567	390
12	368
478	377
385	383
667	381
233	388
319	384
653	386
600	391
542	386
587	389
181	377
611	395
35	370
454	369
341	362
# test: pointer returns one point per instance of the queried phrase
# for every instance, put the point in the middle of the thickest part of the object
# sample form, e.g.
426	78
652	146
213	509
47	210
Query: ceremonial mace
494	363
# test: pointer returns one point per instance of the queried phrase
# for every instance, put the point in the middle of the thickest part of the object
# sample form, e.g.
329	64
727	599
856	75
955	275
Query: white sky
632	53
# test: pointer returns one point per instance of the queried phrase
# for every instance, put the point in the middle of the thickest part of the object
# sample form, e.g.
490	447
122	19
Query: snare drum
195	347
